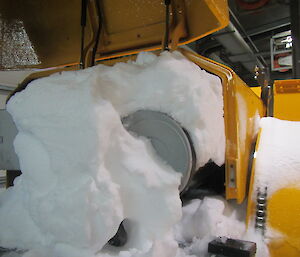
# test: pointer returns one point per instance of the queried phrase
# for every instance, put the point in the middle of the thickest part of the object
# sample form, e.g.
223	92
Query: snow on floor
278	156
204	220
83	173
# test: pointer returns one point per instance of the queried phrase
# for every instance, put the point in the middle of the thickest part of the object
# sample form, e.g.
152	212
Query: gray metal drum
168	138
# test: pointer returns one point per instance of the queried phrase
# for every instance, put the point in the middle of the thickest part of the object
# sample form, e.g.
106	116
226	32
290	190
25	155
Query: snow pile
203	220
83	173
278	155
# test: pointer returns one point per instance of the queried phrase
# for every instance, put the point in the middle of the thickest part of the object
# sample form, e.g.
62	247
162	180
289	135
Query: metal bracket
231	175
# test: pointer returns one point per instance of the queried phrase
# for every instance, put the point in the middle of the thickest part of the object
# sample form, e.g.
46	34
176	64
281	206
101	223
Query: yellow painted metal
144	26
280	248
287	99
242	109
53	28
283	212
251	205
283	216
256	90
128	27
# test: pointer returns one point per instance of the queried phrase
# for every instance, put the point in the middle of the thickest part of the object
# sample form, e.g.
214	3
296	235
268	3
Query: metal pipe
236	45
83	24
284	22
259	58
98	32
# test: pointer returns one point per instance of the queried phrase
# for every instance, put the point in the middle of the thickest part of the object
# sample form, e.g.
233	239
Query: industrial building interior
252	46
245	43
242	45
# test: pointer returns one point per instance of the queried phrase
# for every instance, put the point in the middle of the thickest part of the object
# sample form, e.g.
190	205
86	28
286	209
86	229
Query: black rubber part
232	247
120	238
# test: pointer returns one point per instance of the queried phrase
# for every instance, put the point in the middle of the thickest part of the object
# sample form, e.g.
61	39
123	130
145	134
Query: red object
276	63
252	6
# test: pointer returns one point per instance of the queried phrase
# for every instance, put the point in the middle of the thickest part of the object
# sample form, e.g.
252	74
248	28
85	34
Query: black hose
98	33
83	24
83	13
166	39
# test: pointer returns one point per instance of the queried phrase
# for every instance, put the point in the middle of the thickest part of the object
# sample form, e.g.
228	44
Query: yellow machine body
242	110
287	99
129	27
256	90
282	207
282	216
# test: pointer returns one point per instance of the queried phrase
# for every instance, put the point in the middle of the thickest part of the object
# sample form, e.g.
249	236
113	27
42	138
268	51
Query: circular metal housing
168	138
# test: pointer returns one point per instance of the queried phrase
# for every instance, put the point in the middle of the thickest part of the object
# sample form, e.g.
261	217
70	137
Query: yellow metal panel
213	16
52	28
128	27
242	109
287	99
251	205
200	18
256	90
280	248
283	216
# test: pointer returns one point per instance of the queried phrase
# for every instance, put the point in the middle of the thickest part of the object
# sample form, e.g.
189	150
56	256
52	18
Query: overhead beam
269	26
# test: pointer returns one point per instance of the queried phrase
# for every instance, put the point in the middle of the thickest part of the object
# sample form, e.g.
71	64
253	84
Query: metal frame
274	52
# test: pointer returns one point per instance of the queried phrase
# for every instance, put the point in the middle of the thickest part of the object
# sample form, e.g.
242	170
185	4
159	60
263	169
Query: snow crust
278	156
83	173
